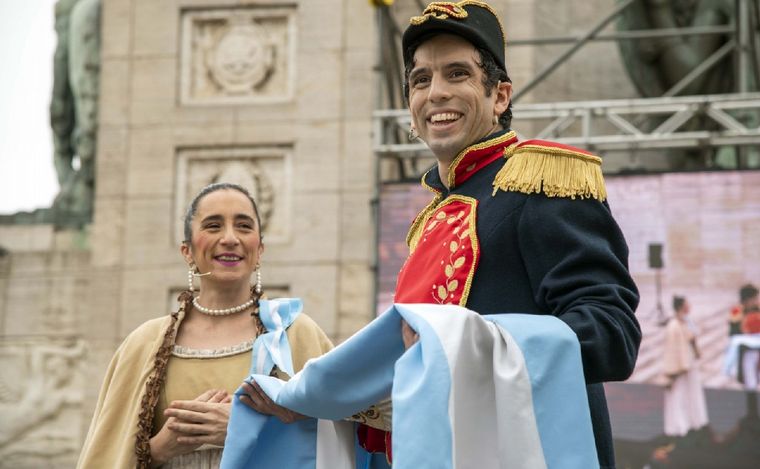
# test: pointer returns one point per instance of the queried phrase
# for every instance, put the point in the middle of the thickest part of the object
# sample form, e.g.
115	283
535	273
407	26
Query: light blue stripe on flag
421	395
256	441
559	391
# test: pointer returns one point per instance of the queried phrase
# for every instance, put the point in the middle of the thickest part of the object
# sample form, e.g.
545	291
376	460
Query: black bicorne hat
472	20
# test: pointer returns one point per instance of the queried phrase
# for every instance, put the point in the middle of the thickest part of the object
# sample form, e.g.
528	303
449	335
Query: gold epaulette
556	170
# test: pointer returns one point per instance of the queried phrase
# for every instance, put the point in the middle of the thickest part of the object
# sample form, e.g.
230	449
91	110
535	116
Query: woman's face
226	240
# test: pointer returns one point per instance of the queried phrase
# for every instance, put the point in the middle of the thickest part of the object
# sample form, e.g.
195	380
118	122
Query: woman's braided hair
158	374
155	383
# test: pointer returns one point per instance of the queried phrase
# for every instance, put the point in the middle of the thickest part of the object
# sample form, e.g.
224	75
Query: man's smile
444	117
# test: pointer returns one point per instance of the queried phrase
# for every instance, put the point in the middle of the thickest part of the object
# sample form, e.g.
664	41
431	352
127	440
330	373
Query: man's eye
420	81
459	73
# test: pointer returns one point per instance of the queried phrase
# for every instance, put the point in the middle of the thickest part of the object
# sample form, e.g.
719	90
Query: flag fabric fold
502	391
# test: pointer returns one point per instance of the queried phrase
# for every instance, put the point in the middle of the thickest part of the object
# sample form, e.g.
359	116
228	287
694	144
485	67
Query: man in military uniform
513	227
748	305
744	318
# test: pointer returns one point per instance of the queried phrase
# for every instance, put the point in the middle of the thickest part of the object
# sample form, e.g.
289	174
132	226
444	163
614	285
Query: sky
27	42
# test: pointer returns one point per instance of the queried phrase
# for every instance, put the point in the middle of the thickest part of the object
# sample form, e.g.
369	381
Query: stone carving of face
243	59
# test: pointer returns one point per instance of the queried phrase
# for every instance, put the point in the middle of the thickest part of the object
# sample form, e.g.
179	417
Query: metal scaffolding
707	123
611	125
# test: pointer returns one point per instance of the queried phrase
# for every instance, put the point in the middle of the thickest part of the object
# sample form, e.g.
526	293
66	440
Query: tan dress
190	373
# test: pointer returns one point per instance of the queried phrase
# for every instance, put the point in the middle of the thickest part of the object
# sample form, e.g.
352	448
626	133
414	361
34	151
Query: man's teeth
446	116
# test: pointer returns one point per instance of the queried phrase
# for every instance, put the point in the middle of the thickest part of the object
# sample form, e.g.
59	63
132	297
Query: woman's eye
245	226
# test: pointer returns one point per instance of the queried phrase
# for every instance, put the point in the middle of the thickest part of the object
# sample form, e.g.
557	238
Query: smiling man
450	104
513	227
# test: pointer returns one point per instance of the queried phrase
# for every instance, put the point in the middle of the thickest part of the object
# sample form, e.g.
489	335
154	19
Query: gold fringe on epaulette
555	172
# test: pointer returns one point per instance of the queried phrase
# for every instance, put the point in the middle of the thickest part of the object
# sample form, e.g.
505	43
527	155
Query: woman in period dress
685	408
166	396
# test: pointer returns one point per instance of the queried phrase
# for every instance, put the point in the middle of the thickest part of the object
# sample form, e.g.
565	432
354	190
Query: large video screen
691	235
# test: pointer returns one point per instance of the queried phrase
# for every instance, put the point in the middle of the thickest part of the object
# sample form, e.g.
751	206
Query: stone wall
44	277
269	95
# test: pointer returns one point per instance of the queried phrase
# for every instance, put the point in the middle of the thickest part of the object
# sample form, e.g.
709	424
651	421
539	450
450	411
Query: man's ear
503	97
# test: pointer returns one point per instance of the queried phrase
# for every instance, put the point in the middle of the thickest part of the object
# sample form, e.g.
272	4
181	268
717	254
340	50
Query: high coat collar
469	161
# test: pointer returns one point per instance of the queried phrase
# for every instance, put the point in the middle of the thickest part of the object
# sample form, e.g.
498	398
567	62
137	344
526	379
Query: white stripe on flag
335	445
261	357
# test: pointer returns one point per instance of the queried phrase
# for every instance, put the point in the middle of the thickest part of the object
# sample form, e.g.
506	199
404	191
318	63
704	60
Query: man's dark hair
492	74
747	292
678	302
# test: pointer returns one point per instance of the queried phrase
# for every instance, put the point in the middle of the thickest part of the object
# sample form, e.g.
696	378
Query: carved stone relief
265	172
237	55
40	401
59	316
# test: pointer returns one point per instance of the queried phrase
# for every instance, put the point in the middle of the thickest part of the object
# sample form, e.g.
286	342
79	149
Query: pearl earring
192	272
190	279
257	288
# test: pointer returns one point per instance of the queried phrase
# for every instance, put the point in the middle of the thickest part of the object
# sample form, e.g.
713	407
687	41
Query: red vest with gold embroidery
444	257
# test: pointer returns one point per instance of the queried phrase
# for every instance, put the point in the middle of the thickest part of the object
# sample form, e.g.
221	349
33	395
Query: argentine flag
502	391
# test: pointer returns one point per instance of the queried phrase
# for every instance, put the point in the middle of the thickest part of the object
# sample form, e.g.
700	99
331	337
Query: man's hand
408	335
191	424
257	399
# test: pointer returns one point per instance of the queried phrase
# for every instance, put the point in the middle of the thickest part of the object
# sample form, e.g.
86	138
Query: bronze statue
656	64
73	108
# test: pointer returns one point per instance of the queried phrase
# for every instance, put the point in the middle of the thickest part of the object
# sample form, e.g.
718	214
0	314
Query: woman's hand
201	422
191	424
256	399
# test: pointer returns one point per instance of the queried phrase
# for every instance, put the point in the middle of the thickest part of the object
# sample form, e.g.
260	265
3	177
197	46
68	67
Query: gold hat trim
441	11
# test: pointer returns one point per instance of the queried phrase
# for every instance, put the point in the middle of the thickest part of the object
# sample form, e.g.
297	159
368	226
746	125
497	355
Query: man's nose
440	89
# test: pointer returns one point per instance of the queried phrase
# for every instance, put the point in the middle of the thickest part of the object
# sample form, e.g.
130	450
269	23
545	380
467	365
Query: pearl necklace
222	312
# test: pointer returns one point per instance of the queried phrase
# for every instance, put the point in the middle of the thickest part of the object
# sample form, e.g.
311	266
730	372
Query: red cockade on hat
441	11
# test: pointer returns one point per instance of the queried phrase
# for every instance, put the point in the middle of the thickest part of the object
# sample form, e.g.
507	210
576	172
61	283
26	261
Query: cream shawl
110	441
